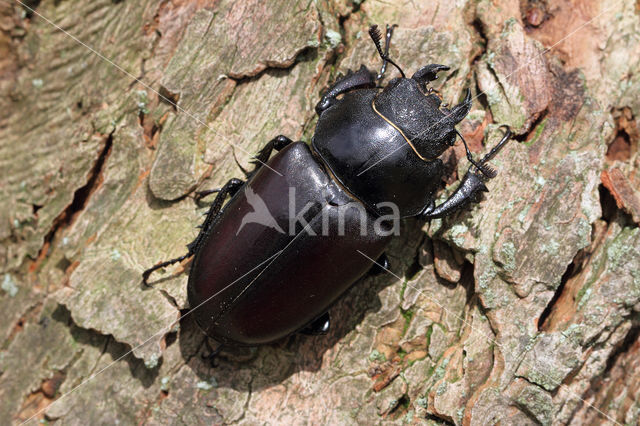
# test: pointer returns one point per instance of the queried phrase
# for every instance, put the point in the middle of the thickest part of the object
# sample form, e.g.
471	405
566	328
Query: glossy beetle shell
250	293
371	158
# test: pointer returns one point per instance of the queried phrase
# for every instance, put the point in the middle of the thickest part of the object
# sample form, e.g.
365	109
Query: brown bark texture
524	309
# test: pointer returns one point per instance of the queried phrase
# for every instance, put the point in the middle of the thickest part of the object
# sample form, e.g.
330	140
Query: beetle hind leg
230	188
318	326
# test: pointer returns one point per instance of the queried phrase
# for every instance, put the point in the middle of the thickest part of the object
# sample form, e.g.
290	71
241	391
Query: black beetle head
409	106
430	128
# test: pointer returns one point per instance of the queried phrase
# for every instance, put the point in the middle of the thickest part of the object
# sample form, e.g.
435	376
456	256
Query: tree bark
522	310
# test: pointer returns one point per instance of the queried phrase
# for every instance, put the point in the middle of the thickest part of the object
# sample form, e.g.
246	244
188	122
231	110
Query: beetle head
419	115
412	108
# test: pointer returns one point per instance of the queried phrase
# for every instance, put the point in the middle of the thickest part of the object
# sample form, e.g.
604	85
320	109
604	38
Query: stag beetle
253	283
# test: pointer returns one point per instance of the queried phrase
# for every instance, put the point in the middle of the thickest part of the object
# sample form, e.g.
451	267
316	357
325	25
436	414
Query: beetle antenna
374	32
486	170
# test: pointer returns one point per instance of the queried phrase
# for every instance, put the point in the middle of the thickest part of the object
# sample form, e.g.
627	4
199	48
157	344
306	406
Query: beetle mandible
250	282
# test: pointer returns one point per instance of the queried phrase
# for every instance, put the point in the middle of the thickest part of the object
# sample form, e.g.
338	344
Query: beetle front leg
230	188
469	191
471	186
363	78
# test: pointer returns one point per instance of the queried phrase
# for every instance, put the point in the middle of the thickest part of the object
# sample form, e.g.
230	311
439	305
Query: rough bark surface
523	310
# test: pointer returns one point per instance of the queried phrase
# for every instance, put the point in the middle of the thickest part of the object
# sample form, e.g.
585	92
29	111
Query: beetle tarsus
201	194
230	188
318	326
147	273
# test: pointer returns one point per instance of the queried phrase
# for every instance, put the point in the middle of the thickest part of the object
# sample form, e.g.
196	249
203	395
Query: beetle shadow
241	367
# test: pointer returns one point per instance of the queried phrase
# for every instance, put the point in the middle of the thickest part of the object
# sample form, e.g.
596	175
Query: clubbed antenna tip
374	32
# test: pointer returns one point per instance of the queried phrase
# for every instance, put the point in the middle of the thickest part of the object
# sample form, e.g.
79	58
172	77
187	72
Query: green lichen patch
140	235
534	401
552	357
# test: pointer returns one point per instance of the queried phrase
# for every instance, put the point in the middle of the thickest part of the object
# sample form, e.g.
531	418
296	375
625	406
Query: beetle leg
212	356
318	326
231	188
277	143
469	190
471	186
245	172
363	78
381	265
201	194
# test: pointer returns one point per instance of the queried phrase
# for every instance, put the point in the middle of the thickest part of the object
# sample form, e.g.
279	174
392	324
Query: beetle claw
428	73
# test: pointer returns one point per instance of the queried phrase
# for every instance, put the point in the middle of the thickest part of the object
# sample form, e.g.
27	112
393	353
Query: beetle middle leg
212	355
471	186
277	143
230	188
